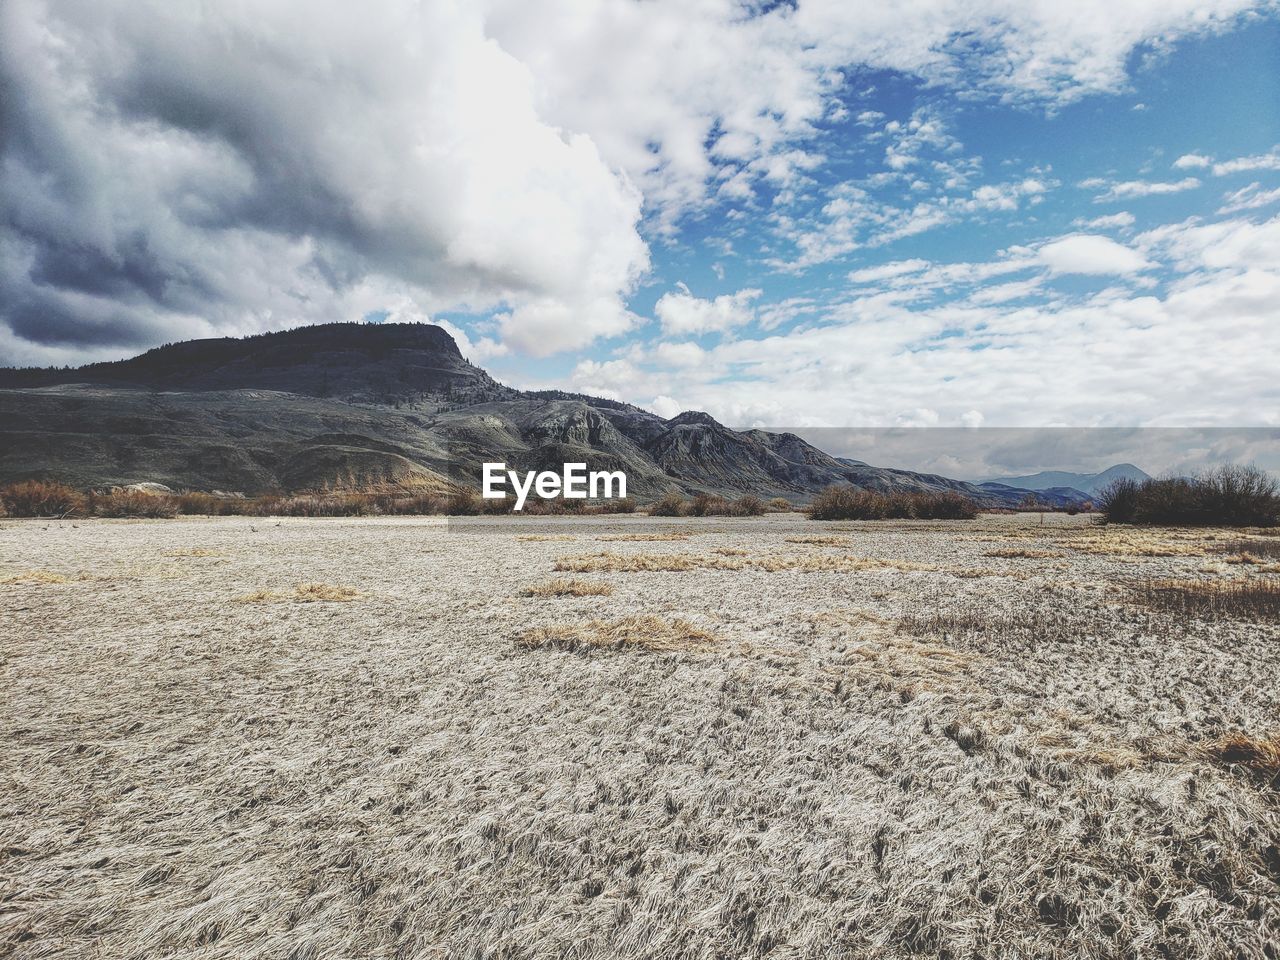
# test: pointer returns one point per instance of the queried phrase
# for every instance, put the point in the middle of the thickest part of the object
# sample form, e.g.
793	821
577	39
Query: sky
819	215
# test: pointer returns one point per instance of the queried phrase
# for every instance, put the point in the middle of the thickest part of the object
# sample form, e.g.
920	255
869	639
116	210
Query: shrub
213	505
40	498
120	504
408	504
749	506
1229	496
624	505
839	502
945	506
780	505
464	503
323	505
1239	496
672	505
702	505
1118	501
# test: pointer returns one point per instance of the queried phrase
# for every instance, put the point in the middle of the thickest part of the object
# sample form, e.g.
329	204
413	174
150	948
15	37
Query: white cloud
1234	246
886	271
1091	254
1137	188
1112	221
665	406
1020	351
1192	161
651	82
1248	198
853	219
1262	161
1198	355
683	314
679	354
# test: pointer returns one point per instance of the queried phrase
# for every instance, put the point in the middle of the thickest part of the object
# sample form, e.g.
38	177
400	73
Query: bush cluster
850	503
40	498
708	505
131	503
1230	496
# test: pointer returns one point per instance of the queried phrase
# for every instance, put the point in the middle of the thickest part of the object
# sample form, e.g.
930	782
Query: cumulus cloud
1091	254
665	407
683	314
169	173
679	354
1192	161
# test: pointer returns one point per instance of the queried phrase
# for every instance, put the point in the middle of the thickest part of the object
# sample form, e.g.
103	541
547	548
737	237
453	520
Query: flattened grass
305	593
567	588
645	632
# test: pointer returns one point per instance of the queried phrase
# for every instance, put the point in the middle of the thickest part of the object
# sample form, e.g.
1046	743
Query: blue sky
1087	166
822	214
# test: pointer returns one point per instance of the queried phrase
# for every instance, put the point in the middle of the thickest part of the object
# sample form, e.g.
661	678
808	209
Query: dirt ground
627	737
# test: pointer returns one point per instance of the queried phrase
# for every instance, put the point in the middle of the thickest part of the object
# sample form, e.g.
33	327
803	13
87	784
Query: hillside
381	404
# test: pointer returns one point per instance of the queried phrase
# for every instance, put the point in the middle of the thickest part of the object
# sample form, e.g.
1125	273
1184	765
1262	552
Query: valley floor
628	737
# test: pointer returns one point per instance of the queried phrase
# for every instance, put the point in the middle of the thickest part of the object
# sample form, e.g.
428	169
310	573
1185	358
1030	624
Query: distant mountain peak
1090	483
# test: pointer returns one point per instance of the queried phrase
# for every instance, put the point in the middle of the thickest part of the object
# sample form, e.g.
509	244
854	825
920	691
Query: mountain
1088	483
397	404
355	362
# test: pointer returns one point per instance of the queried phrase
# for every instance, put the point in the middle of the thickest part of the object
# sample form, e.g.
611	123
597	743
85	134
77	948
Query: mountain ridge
336	404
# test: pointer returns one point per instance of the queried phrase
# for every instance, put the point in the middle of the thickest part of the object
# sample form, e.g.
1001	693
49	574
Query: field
637	737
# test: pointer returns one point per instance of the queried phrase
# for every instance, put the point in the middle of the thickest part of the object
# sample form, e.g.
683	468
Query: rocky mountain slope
356	404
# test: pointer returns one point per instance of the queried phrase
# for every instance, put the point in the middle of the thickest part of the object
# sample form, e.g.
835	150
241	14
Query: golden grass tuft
647	632
820	541
567	588
37	576
544	537
305	593
1141	542
1260	564
1021	553
195	552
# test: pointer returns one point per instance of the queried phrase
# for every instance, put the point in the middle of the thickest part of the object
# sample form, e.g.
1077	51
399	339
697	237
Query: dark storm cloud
169	171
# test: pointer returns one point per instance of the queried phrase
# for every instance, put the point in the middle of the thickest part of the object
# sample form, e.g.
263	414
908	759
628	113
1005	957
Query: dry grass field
637	737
